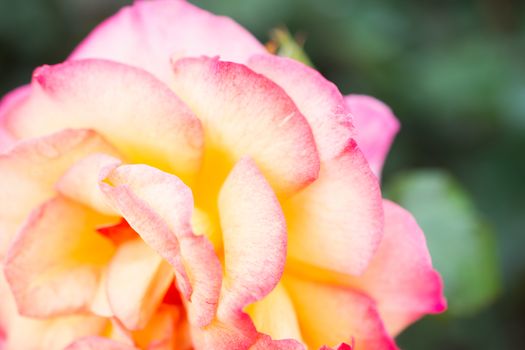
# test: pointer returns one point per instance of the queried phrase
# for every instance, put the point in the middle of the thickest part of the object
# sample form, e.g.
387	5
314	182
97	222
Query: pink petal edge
318	99
148	33
119	102
400	276
376	127
246	114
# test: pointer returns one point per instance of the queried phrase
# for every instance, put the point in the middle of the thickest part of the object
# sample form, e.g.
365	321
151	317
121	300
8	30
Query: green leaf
462	246
287	46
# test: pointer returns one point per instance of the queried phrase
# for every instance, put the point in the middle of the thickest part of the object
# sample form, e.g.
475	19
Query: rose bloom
172	185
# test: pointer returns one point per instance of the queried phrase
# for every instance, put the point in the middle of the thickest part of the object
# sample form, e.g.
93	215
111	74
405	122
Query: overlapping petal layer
244	113
255	197
318	100
51	334
19	332
342	346
133	110
167	330
329	314
337	222
99	343
30	170
150	33
137	280
55	261
263	314
158	206
81	182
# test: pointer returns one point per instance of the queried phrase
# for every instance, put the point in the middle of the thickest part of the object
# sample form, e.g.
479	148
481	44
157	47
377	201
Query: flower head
173	185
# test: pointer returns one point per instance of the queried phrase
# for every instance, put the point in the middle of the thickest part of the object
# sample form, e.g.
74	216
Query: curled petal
318	99
336	223
137	113
54	263
400	276
244	113
158	206
376	127
254	235
148	33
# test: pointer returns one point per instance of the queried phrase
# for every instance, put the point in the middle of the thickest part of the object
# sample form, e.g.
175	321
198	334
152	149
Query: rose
156	198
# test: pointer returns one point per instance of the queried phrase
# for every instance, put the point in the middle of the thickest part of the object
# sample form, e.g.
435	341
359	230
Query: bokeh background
453	72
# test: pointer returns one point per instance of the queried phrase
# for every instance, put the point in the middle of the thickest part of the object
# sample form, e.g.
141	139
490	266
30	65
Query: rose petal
98	343
132	109
80	182
342	346
330	314
18	332
244	113
275	315
236	333
116	331
254	235
151	276
318	99
148	33
7	306
158	206
233	329
54	263
99	303
29	171
167	330
400	276
266	343
376	127
9	101
337	222
118	233
53	334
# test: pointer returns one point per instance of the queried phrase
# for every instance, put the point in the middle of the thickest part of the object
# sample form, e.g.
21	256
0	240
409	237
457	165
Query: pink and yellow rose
172	185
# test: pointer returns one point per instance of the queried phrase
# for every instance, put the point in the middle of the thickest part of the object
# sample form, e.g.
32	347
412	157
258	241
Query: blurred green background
453	72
